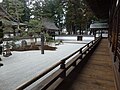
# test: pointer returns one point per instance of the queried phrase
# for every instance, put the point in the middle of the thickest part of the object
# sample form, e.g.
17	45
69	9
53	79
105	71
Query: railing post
42	43
92	42
81	53
88	47
80	50
101	34
63	75
74	64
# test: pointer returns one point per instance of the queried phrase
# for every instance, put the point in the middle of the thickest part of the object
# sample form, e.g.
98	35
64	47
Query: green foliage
13	45
16	38
77	15
33	22
48	38
72	14
35	26
23	34
51	9
18	9
1	33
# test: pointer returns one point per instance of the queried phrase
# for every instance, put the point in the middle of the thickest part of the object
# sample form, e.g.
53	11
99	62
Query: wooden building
99	28
50	27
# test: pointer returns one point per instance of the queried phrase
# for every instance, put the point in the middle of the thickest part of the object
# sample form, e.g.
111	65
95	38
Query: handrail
62	64
24	85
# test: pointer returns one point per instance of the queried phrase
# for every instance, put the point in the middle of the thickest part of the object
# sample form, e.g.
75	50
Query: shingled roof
99	26
49	24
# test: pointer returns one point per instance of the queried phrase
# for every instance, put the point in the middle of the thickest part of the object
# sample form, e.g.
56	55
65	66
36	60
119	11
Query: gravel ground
23	66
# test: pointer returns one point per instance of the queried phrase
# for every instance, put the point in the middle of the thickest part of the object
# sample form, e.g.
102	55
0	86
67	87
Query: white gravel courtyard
23	66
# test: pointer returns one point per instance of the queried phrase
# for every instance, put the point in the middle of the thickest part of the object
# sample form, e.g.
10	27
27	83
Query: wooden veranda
96	75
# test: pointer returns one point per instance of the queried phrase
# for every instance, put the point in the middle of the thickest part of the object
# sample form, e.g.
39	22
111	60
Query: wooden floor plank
96	75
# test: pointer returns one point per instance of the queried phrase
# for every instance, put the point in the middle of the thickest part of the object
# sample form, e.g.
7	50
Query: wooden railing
78	57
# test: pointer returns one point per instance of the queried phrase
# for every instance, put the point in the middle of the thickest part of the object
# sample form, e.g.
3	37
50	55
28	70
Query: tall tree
35	28
51	9
18	9
77	15
26	11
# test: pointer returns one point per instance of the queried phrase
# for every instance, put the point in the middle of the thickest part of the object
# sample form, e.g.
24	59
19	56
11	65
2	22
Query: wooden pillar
63	75
42	43
1	40
14	32
114	34
94	33
101	32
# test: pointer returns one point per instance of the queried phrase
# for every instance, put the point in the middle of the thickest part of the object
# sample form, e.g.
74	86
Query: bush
48	38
